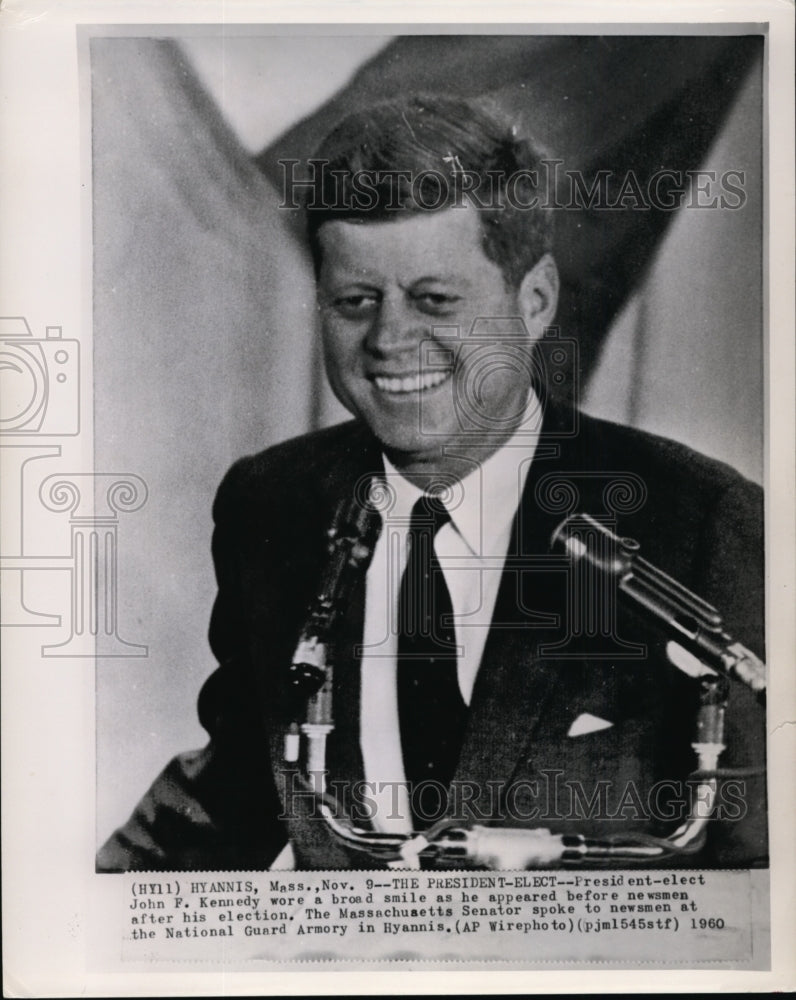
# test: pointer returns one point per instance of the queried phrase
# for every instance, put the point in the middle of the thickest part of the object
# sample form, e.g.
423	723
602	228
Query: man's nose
396	330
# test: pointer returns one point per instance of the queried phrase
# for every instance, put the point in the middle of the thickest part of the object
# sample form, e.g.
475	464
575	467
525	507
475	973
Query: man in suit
469	680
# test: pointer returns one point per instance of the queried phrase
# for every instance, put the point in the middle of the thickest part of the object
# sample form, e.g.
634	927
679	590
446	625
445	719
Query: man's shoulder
309	461
311	450
621	447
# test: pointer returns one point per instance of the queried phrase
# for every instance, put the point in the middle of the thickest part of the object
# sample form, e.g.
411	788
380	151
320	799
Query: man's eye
354	305
437	302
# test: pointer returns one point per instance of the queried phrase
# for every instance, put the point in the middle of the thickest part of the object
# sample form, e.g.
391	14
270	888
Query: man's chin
404	453
442	459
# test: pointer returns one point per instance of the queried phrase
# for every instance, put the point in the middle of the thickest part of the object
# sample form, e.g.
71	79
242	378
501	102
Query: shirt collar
482	506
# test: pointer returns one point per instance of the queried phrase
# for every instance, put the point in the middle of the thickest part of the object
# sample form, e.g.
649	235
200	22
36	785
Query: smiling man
390	293
470	681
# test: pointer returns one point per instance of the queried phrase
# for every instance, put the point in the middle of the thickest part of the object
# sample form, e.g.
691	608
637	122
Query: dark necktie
431	711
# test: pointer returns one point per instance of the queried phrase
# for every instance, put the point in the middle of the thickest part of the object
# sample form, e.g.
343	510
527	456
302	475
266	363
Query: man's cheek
335	372
334	351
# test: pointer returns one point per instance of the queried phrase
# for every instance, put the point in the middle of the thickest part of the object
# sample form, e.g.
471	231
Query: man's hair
421	154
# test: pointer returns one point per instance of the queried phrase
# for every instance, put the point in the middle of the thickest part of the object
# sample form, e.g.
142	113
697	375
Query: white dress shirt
471	549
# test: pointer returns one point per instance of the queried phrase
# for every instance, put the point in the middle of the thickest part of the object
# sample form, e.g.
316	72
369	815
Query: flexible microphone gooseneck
691	621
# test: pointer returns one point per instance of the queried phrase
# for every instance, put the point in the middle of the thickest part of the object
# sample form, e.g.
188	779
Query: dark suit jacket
220	808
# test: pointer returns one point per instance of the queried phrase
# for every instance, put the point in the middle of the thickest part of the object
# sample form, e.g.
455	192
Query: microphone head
357	526
581	536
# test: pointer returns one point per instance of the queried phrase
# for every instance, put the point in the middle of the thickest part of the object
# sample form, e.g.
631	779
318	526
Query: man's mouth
398	385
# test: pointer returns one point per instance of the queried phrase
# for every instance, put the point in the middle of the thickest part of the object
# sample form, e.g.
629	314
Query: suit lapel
515	685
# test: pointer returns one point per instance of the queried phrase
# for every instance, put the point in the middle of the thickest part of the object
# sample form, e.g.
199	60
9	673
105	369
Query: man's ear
538	294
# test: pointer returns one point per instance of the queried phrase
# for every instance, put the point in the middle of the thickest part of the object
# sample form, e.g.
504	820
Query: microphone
693	622
351	539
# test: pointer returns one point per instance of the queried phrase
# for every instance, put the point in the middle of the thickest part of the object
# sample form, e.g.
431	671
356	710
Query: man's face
383	288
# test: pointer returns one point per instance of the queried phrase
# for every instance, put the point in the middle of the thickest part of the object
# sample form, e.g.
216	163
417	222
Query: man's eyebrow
341	275
441	279
344	277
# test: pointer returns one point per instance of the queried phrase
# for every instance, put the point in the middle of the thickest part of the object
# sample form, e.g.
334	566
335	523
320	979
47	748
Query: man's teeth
411	383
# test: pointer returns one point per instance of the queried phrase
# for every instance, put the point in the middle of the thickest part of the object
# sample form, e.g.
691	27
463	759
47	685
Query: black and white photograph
408	498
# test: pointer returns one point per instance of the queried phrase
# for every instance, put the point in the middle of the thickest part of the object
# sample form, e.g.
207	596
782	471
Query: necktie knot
429	514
